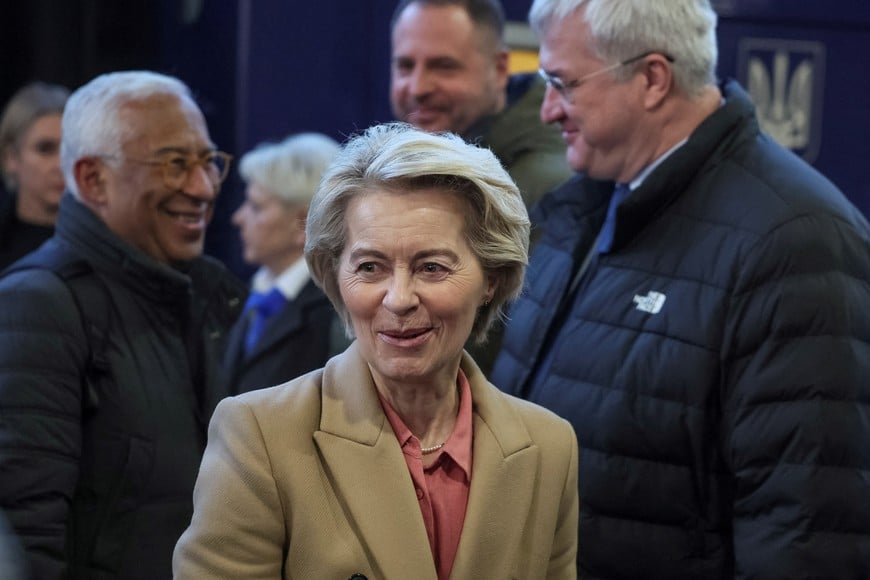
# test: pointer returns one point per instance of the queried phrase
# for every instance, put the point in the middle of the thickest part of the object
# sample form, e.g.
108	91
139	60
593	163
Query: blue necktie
605	239
259	307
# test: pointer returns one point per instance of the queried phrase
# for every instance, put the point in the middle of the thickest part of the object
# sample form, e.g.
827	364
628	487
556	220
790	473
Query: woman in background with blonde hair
288	327
30	164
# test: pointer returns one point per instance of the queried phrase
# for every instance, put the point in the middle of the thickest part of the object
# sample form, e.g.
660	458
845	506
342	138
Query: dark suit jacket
296	340
17	238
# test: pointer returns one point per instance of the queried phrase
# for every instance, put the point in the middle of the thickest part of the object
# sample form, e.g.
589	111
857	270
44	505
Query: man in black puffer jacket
705	325
110	336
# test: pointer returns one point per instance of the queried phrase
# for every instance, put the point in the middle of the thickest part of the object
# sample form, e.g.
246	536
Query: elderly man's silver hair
92	124
622	29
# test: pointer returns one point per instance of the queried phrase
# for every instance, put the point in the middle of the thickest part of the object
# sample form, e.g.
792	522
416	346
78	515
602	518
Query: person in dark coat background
450	72
30	165
289	326
704	324
110	338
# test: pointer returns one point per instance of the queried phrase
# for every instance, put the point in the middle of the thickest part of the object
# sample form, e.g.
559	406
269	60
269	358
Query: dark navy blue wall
262	69
266	68
827	42
198	42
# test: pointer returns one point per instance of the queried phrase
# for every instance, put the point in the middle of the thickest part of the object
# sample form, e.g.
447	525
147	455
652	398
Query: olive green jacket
533	153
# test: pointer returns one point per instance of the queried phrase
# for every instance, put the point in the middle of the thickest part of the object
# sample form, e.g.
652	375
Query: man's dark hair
486	14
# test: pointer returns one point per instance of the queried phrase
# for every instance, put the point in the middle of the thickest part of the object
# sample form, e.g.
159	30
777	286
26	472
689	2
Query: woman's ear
491	286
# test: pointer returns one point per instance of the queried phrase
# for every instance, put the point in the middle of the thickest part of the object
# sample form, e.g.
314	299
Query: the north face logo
651	303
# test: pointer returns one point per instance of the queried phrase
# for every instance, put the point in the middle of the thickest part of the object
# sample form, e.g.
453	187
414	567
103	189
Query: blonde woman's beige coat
307	481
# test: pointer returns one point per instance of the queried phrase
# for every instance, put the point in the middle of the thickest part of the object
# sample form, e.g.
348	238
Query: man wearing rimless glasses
703	323
110	335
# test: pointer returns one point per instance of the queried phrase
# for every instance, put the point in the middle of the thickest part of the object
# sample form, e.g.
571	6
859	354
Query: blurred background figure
30	154
701	314
288	327
450	73
110	351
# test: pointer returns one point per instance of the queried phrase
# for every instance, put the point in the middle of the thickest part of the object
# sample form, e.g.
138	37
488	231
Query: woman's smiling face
411	283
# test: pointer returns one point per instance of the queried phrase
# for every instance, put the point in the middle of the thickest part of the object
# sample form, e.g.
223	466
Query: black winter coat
97	480
715	363
17	238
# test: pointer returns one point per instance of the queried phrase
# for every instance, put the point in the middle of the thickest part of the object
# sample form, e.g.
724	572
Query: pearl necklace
433	449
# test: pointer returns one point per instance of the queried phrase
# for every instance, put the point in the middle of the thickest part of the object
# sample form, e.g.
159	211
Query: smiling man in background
450	73
108	359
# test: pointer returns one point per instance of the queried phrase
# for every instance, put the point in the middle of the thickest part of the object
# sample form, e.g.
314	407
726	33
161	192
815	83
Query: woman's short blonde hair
291	169
399	158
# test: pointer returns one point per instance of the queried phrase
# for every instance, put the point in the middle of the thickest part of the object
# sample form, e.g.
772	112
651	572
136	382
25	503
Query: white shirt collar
637	181
289	282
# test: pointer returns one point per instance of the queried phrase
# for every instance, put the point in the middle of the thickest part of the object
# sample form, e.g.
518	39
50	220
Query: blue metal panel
806	75
198	44
810	12
516	10
315	66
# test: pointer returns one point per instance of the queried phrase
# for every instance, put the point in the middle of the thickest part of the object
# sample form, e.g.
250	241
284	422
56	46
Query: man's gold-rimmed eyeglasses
177	169
564	88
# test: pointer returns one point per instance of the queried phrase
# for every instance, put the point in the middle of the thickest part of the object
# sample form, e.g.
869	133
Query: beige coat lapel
368	472
502	484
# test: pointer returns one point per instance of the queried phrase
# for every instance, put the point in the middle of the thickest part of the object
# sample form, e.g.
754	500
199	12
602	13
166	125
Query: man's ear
659	76
91	181
502	66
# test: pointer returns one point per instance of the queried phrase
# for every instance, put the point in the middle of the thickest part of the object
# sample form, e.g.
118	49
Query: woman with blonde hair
398	459
288	327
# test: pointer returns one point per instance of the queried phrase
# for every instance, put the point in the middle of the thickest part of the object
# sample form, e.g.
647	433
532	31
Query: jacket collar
291	319
518	86
517	127
369	472
80	227
675	175
7	210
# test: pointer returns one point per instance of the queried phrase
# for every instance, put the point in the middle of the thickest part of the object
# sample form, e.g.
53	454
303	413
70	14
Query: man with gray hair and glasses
110	336
704	323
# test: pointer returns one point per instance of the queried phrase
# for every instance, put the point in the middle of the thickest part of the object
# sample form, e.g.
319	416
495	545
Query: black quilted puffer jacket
715	363
97	467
